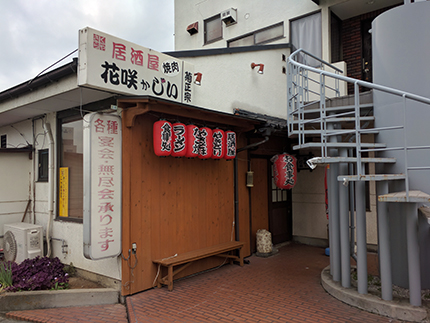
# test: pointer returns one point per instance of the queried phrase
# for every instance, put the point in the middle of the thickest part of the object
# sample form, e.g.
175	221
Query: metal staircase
342	129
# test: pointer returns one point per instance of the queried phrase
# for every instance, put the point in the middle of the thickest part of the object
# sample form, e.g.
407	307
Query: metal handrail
352	80
298	70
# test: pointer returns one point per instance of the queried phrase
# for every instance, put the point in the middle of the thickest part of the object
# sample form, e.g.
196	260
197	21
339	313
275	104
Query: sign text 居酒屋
113	64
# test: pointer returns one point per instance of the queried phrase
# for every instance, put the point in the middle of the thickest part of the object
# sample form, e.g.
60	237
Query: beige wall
309	218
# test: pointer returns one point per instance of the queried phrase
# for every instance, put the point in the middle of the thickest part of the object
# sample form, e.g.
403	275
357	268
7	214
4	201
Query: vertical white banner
102	185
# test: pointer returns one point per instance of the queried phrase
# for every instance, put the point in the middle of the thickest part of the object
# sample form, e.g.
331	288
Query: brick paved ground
283	288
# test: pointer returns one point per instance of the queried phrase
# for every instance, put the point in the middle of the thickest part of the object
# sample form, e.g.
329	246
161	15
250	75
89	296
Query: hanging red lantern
162	138
192	135
205	144
218	144
285	171
179	140
230	145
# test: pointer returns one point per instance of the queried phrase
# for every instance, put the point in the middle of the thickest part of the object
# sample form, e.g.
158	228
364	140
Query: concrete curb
394	309
20	301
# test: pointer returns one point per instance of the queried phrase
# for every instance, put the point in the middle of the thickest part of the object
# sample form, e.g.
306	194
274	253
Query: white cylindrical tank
400	47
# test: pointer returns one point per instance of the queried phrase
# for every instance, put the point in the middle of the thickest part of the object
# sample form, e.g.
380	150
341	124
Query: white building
240	51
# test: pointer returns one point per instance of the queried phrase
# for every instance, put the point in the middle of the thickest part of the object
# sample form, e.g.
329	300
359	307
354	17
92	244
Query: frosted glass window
306	34
213	29
259	36
274	195
269	34
245	41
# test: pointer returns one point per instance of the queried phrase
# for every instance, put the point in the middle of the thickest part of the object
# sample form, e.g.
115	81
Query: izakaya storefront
173	205
170	203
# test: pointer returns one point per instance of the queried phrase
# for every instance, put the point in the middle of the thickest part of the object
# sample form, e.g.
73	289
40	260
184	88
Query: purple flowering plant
40	273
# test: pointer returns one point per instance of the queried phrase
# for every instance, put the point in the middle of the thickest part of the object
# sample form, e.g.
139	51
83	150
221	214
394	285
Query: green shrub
5	275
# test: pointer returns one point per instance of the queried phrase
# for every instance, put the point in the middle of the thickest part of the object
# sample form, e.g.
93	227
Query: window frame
255	32
65	117
43	165
3	141
311	61
205	29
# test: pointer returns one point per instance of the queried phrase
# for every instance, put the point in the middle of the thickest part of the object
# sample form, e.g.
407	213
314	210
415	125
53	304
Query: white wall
19	183
228	82
252	15
72	233
15	175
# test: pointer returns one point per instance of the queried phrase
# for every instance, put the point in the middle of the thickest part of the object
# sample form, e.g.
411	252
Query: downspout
236	184
33	184
47	128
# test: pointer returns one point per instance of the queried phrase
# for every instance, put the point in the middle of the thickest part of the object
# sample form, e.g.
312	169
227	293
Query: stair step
426	212
310	109
375	177
337	131
329	119
414	196
338	145
334	160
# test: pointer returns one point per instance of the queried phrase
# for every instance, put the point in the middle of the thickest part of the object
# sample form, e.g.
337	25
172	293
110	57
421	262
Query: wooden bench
187	258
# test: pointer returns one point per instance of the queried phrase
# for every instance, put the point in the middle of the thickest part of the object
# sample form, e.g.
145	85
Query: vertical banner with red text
102	185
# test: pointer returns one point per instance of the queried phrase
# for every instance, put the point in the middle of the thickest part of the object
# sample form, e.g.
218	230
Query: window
3	140
43	165
71	159
336	41
213	29
306	34
260	36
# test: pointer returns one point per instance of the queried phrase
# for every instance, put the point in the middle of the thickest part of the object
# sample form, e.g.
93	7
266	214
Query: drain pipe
47	128
236	183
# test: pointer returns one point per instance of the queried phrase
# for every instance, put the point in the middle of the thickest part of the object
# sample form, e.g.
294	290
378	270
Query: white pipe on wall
47	128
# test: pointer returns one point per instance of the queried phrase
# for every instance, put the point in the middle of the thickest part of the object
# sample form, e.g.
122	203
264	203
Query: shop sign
115	65
64	192
102	185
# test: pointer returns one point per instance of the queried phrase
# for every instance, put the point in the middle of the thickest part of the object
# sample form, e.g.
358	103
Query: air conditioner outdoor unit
22	241
229	16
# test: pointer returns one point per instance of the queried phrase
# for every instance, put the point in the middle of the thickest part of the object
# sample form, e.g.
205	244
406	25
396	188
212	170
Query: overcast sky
36	33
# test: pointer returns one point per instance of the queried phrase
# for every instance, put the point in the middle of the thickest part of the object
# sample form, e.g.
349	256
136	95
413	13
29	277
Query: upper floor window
306	34
213	29
260	36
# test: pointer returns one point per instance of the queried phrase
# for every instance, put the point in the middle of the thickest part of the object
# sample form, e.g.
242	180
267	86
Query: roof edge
39	81
227	50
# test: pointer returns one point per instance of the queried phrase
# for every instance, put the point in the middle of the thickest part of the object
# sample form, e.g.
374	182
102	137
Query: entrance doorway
271	208
366	52
280	212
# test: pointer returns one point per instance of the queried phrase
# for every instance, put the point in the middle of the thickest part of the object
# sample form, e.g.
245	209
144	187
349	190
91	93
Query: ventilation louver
9	246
